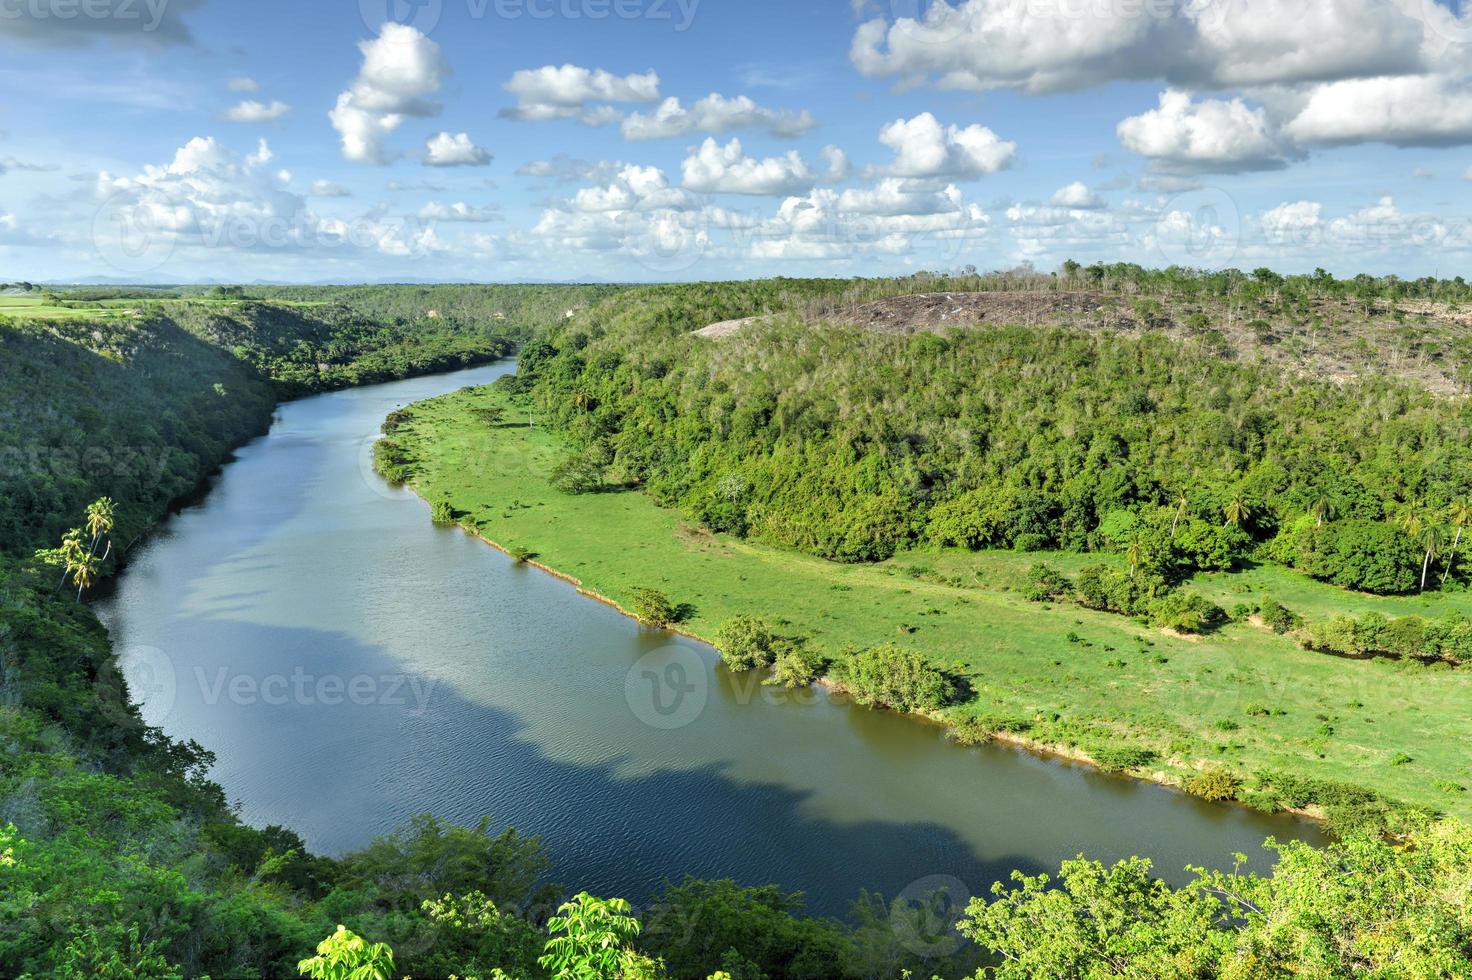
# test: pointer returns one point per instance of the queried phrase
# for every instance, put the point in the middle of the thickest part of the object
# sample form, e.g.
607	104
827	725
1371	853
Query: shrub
522	555
1215	785
1279	618
653	608
1370	556
797	667
892	677
392	461
1045	583
746	643
1122	758
577	473
1186	612
1108	590
442	513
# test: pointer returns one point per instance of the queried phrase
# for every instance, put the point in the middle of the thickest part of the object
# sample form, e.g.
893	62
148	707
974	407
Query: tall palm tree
1430	540
1181	505
84	574
1237	512
71	553
1323	509
1411	521
101	518
1460	514
1136	555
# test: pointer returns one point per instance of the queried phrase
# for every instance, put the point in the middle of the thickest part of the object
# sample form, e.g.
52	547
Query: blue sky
487	140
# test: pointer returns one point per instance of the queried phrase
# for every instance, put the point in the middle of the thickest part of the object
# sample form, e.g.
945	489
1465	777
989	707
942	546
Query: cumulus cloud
1292	223
1210	136
243	84
566	169
1060	231
1404	111
327	188
570	91
454	150
1077	197
716	114
148	22
713	168
633	188
891	219
459	211
251	111
1049	47
925	148
401	70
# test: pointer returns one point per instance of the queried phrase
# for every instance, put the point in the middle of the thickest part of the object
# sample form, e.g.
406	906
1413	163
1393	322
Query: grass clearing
1084	681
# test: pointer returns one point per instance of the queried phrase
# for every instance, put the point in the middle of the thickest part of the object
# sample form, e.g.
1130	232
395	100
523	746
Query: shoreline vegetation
453	459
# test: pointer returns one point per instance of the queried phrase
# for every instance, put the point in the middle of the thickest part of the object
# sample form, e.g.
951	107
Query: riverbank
1055	678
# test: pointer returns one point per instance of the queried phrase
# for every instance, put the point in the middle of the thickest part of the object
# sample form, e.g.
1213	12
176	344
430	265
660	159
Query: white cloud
1077	196
251	111
891	219
8	164
1292	223
633	189
1058	232
454	150
459	211
925	148
327	188
1405	111
716	114
401	69
728	170
1210	136
1047	47
894	196
568	92
243	84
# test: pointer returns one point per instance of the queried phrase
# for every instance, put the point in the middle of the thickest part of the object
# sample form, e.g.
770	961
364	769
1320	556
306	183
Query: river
352	666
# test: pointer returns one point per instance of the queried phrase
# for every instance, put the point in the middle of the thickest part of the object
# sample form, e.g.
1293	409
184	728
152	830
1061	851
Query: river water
353	666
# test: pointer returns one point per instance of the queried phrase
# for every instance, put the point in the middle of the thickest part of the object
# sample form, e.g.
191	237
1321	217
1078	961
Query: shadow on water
352	666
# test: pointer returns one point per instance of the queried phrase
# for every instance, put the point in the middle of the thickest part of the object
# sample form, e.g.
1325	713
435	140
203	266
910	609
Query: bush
1186	612
577	474
442	513
797	667
1122	758
892	677
1108	590
1279	618
1045	583
653	608
1370	556
746	643
1214	785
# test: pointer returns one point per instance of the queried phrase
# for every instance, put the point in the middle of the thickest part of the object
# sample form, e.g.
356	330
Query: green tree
746	643
1237	512
347	956
1460	515
592	939
653	608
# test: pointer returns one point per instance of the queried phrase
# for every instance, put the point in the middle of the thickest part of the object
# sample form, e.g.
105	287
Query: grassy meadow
1081	682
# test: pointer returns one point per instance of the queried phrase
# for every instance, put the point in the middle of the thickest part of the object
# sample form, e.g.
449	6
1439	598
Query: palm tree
1181	504
85	574
1460	514
1237	512
1323	509
1430	539
71	554
101	517
1136	555
1411	520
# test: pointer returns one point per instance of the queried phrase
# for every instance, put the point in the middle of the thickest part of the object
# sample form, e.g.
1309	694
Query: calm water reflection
352	666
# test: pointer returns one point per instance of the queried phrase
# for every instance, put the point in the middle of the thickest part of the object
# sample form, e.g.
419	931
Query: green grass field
36	307
1242	697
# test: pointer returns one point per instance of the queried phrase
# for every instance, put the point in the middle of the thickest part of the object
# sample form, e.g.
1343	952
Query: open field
1084	681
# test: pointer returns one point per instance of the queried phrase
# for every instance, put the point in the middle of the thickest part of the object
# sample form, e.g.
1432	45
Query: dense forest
119	857
1163	440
